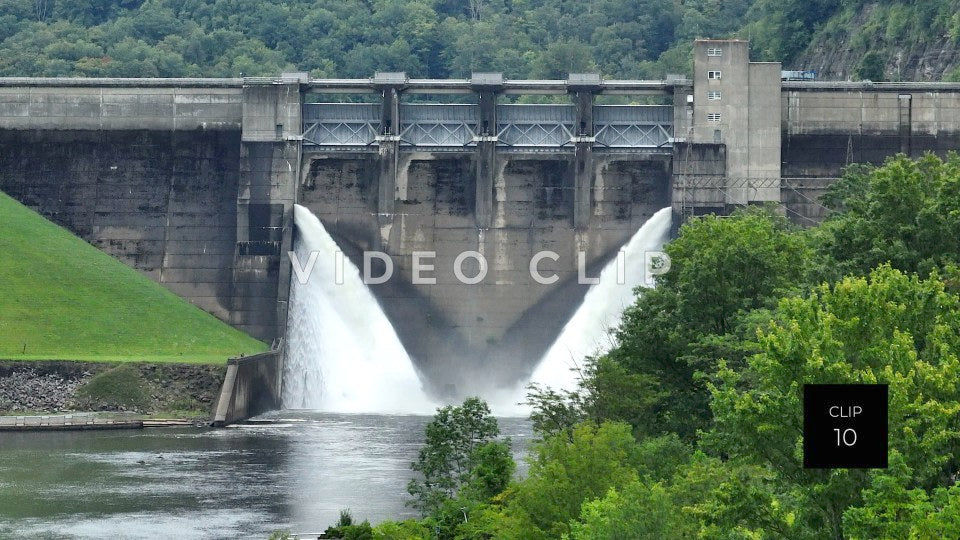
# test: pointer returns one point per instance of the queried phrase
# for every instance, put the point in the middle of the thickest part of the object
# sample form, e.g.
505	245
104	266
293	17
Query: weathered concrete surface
736	103
161	202
118	104
505	322
251	386
826	129
269	170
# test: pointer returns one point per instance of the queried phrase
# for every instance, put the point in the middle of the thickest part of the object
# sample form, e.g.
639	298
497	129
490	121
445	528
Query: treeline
691	427
859	39
451	38
354	38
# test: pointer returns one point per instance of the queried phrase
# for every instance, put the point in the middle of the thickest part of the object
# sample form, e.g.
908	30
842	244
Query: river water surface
295	471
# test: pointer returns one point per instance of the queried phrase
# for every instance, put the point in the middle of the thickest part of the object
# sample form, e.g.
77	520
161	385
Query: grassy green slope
61	298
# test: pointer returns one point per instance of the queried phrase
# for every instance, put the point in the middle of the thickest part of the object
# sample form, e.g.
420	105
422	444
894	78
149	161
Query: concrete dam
194	181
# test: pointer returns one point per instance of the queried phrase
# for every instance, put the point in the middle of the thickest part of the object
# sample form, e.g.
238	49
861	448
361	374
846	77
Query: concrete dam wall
193	181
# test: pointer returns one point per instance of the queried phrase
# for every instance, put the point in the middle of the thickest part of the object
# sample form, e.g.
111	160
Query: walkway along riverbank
89	421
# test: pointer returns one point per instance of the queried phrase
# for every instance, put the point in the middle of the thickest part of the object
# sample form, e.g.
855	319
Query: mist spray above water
343	355
589	331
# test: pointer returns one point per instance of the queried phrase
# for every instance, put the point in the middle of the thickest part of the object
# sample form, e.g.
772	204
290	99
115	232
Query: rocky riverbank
61	386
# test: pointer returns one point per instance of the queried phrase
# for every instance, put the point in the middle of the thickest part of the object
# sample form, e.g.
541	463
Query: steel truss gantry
451	127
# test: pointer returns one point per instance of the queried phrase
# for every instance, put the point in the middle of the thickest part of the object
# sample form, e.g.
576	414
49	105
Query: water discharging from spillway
588	332
343	355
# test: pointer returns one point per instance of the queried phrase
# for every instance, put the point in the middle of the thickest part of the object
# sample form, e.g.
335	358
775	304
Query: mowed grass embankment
63	299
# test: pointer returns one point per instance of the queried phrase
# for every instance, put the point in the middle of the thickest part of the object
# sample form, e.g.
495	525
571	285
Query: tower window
713	117
713	95
713	74
714	52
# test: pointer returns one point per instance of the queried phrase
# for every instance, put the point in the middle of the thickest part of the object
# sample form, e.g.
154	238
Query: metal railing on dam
451	127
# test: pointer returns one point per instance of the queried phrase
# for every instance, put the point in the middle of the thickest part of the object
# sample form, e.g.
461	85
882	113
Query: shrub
122	387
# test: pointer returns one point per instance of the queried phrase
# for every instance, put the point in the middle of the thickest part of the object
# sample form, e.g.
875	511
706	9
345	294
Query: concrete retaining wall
251	386
163	202
825	130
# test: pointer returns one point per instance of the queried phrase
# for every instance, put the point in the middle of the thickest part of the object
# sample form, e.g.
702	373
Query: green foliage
906	212
491	470
889	328
607	390
402	530
870	67
441	38
891	509
460	452
691	427
565	470
362	531
121	387
553	412
701	497
780	29
347	39
953	76
721	269
346	529
65	299
639	512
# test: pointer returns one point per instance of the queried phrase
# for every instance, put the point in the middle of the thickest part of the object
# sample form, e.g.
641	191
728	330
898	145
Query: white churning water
343	355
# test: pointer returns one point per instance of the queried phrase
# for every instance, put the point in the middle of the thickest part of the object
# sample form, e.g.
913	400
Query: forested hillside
860	39
450	38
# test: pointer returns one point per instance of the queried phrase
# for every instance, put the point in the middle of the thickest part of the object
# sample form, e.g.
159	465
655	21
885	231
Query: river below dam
295	470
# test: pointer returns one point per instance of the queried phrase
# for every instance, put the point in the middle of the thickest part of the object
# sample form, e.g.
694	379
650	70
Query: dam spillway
343	354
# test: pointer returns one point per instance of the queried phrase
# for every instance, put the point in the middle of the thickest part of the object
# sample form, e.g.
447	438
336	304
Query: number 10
843	437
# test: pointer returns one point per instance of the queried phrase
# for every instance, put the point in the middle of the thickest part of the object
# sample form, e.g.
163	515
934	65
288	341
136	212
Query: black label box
845	426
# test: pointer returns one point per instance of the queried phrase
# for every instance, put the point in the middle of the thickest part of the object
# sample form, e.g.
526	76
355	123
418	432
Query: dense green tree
607	390
442	38
721	269
640	511
870	67
780	29
461	449
891	509
403	530
704	497
565	470
889	328
905	212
